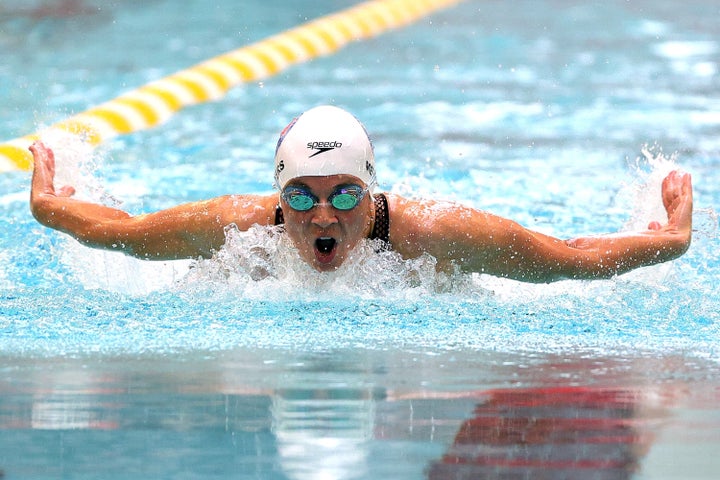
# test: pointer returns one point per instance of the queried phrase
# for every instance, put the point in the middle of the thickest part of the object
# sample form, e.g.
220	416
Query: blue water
561	115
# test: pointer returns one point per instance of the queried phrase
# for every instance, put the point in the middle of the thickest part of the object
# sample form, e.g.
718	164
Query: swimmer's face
325	235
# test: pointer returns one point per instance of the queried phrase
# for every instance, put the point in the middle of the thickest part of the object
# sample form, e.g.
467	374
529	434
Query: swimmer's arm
523	254
477	241
659	243
481	242
186	231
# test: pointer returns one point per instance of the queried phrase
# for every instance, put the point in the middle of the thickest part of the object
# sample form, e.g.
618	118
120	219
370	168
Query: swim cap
323	141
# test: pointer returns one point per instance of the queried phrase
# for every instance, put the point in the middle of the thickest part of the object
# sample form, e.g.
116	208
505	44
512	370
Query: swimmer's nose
324	215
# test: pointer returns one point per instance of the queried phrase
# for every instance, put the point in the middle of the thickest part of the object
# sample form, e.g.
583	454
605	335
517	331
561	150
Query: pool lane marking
155	102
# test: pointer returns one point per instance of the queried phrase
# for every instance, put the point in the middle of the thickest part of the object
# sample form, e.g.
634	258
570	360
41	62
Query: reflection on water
400	415
567	432
323	433
323	415
60	413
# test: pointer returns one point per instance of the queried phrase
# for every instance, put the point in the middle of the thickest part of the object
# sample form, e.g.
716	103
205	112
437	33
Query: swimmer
325	174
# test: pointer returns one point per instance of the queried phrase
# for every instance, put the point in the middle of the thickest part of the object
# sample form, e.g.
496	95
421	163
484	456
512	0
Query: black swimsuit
381	228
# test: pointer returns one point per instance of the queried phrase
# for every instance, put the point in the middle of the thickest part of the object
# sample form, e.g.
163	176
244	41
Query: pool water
563	116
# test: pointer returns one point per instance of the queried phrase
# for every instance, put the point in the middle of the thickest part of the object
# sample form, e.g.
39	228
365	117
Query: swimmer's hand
678	201
44	175
55	208
659	243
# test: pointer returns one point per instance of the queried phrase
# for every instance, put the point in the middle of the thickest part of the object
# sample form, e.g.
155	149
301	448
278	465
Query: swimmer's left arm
485	243
474	241
660	243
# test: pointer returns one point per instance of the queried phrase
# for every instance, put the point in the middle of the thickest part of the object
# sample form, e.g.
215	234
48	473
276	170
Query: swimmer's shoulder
245	210
407	224
407	210
424	225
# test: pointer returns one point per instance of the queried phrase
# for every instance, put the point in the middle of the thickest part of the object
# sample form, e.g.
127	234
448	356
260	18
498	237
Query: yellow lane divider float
157	101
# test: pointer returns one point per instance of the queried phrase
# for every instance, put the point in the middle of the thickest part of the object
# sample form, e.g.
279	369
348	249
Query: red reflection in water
565	432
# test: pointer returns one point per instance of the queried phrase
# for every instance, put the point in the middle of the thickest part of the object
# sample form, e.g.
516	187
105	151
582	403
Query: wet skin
324	235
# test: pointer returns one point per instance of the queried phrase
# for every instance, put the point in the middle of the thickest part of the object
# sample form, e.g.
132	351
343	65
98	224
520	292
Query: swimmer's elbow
97	237
680	244
43	209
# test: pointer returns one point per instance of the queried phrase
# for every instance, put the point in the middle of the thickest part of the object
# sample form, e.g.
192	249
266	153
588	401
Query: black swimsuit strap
381	228
279	217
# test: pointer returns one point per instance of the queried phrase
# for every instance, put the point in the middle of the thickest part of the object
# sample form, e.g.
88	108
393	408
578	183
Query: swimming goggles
344	197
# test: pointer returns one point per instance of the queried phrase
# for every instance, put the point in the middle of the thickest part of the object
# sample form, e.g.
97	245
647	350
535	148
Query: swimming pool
538	111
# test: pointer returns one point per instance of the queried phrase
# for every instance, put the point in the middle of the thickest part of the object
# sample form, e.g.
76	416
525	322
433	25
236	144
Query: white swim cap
323	141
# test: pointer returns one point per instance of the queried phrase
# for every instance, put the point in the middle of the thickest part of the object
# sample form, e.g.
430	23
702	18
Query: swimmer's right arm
187	231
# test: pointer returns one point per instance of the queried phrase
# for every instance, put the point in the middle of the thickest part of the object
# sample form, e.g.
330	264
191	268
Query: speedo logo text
322	147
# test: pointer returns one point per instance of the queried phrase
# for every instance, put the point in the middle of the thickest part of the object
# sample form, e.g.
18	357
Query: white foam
116	272
261	263
644	194
74	163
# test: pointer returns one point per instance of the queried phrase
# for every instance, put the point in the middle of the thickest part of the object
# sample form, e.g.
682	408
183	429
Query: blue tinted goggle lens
344	198
299	200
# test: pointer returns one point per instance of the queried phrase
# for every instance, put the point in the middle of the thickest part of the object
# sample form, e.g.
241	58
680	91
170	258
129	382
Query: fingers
41	152
677	199
44	173
43	170
676	184
44	160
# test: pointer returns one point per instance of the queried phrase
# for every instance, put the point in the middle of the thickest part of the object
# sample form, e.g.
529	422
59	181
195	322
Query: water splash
644	194
262	260
256	291
75	164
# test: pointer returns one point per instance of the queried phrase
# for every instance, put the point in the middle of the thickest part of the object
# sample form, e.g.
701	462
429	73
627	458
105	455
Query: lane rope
155	102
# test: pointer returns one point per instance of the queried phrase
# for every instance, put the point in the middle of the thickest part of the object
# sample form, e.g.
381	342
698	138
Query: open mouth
325	251
325	245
